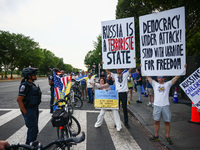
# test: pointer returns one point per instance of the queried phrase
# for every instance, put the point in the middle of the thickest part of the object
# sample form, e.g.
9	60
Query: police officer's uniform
32	99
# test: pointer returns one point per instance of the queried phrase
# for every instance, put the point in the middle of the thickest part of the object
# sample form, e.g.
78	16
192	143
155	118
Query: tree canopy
18	51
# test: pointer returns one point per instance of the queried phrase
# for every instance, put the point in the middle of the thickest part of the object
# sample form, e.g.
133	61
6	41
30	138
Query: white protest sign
118	43
191	87
162	43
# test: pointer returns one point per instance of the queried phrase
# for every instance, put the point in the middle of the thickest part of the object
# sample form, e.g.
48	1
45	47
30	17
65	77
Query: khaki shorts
162	112
149	91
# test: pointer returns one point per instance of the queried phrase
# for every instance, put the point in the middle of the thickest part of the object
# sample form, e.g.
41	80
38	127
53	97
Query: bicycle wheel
62	135
78	103
74	126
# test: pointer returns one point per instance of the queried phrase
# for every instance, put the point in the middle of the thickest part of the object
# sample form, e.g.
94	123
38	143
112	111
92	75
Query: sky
68	28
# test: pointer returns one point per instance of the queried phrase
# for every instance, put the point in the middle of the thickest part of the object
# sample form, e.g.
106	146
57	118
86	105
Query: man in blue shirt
83	85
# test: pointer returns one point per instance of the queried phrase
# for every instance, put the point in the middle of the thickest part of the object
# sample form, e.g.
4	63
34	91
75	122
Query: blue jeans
139	92
31	121
90	94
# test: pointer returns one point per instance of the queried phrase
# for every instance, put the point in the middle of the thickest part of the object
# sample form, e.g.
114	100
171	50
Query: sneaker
149	104
139	101
118	129
154	138
169	140
96	125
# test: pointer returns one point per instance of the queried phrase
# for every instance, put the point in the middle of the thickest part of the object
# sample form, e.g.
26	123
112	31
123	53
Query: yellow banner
106	103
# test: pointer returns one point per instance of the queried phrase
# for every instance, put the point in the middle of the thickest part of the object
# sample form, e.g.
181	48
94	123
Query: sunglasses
161	77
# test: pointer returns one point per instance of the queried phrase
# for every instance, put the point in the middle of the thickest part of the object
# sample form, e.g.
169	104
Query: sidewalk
185	135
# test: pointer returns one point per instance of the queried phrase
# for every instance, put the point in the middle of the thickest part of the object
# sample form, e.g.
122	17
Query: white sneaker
149	104
96	126
118	129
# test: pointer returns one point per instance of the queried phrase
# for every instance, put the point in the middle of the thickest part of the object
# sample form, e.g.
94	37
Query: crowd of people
125	83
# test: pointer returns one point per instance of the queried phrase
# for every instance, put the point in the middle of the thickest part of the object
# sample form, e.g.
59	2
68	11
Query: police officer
51	83
28	99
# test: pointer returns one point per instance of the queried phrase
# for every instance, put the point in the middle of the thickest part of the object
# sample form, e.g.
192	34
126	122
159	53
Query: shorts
149	91
162	111
83	87
130	88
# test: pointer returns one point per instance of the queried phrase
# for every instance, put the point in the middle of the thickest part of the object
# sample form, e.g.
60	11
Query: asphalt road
106	137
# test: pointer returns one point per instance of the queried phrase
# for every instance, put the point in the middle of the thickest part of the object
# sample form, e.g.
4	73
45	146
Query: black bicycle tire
70	123
75	102
61	136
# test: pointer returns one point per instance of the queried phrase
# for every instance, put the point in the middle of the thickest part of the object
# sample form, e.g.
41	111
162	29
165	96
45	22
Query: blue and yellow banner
106	99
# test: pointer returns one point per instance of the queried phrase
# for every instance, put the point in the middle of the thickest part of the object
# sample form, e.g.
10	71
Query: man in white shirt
161	105
90	89
122	88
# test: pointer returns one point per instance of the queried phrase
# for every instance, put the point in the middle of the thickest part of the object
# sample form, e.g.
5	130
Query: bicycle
38	146
67	125
76	88
75	96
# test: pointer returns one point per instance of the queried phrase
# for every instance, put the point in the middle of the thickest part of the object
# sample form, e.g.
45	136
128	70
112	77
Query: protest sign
191	87
162	43
106	99
118	43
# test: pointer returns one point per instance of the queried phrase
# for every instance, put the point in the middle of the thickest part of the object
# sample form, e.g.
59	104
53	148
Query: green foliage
94	57
18	51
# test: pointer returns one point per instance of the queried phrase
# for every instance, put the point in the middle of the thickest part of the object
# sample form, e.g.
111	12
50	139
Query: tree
15	47
49	61
93	57
18	51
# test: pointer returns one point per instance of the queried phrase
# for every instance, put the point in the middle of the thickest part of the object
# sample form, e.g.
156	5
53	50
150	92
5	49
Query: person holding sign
122	88
105	86
161	105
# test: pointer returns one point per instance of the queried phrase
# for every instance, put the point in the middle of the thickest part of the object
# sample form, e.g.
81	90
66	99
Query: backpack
59	118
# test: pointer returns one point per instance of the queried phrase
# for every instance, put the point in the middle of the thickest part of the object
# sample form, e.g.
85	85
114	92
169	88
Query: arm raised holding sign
177	77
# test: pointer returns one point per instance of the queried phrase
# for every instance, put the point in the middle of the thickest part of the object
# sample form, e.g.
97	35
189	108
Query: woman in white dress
102	85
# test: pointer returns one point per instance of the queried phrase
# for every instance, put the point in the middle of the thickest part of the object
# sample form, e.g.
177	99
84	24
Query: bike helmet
26	72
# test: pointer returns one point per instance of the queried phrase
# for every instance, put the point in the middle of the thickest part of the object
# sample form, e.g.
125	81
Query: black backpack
59	118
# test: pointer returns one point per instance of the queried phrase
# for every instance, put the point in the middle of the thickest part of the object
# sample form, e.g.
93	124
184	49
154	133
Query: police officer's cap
29	71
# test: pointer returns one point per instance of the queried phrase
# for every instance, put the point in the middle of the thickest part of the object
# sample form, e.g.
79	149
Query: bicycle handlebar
74	140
